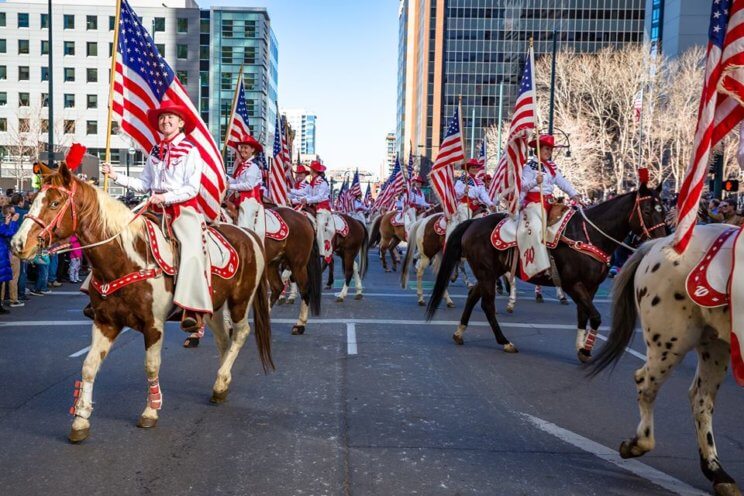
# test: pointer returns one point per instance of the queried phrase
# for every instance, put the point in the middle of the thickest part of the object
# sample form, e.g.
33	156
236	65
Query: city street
370	401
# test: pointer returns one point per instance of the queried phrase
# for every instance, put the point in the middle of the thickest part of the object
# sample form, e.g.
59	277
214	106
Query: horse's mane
602	207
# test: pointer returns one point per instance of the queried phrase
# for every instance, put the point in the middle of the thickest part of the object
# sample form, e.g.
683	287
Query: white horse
652	285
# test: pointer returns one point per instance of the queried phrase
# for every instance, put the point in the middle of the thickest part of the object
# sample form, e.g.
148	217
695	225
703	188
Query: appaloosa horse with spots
128	288
580	274
652	285
356	242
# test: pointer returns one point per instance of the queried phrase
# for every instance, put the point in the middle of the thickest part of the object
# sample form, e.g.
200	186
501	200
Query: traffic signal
731	185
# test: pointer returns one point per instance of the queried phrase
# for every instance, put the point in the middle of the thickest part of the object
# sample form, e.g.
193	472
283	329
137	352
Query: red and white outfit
298	192
359	210
174	169
470	201
318	194
247	180
533	254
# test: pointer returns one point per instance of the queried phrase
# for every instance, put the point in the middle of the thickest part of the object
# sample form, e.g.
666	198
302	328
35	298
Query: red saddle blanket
708	283
276	228
342	227
440	225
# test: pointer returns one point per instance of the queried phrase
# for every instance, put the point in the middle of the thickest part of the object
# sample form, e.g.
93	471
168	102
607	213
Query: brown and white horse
115	243
356	242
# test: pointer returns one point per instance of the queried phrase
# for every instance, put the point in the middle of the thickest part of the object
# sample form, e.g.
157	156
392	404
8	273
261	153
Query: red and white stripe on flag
442	175
720	108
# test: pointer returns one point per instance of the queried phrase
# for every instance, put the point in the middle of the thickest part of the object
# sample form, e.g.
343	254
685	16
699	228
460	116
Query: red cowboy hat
301	169
168	107
417	179
249	140
473	162
545	140
487	177
317	166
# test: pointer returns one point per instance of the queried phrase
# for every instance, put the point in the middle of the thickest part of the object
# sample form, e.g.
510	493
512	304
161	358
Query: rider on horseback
360	209
537	177
416	201
471	194
318	194
247	181
172	176
299	188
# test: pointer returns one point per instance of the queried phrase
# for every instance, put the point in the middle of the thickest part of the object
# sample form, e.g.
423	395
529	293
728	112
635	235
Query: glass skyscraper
467	48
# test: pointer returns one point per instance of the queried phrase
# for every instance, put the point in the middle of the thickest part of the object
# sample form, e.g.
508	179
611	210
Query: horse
652	284
116	244
347	247
424	239
389	236
578	273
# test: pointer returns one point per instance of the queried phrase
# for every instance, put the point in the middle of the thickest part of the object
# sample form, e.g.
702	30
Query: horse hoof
726	489
339	299
564	301
359	296
458	339
329	286
510	348
450	304
388	270
147	422
422	303
584	356
219	396
290	301
298	330
281	301
509	309
78	435
539	298
630	449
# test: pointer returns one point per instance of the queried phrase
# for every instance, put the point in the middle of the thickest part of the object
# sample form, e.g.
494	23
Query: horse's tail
364	254
314	279
412	242
262	323
374	233
450	259
624	314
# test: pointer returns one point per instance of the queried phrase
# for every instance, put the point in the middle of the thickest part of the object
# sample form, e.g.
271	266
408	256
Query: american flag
277	177
391	188
442	175
507	178
638	105
368	195
482	159
142	80
720	107
356	186
287	156
239	123
340	203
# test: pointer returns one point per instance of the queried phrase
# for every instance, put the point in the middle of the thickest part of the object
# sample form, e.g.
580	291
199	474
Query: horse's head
53	215
647	221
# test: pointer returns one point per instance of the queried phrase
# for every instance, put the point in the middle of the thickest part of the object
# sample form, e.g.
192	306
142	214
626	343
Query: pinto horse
356	242
115	242
579	274
652	285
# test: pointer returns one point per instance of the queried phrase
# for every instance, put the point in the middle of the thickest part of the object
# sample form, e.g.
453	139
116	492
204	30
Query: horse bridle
645	230
48	229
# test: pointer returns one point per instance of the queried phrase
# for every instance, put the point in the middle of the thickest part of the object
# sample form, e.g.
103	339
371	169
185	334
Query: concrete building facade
674	26
304	124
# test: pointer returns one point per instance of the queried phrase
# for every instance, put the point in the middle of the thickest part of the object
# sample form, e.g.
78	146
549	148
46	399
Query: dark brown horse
356	242
640	212
115	243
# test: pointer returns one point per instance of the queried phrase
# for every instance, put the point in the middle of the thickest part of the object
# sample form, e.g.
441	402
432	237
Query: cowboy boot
191	321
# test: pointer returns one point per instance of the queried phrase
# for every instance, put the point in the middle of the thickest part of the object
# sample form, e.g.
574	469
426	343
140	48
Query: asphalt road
370	401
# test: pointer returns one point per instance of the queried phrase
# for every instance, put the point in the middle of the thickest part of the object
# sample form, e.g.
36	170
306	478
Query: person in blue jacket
7	229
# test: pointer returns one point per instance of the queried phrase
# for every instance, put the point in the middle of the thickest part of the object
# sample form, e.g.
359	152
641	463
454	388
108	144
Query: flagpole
501	119
462	133
537	147
232	112
114	52
472	135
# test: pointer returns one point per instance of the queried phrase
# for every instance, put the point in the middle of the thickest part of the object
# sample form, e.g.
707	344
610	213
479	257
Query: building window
112	23
24	99
183	76
91	49
2	19
45	99
45	73
24	125
44	47
44	125
91	22
91	101
204	52
23	73
111	49
69	74
68	21
249	56
160	48
250	29
22	20
69	100
3	124
3	45
44	21
3	72
91	75
114	130
3	98
69	126
91	127
227	28
23	47
227	54
158	24
182	51
204	26
69	48
183	25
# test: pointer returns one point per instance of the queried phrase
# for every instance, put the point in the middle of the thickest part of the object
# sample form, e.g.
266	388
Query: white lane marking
351	342
62	293
628	349
463	296
642	470
87	348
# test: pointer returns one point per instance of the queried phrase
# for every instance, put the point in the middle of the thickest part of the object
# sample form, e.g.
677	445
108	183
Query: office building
303	123
391	151
674	26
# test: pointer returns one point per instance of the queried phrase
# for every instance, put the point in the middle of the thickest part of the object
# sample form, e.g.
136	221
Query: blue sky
338	59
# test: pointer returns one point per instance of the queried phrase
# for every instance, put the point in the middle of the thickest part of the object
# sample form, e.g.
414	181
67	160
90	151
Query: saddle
397	219
342	227
504	235
440	225
708	282
276	228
